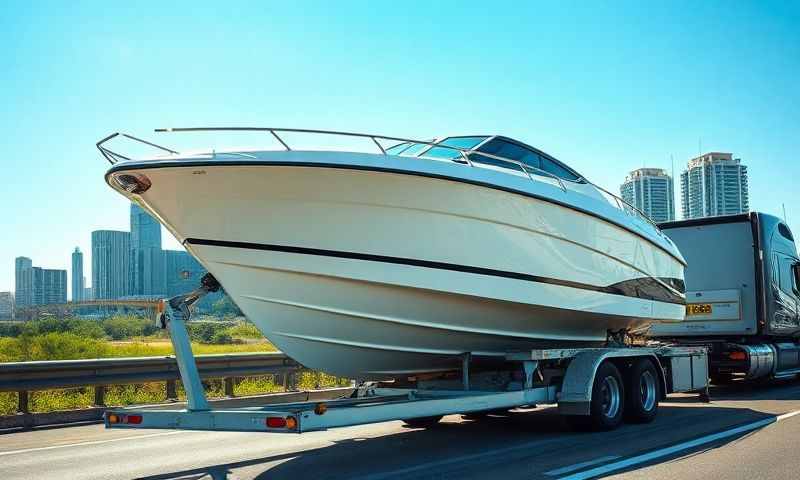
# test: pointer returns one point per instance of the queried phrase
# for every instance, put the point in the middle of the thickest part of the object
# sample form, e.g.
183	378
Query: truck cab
742	294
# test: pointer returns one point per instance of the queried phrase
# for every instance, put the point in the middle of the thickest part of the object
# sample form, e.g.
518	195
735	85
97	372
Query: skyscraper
651	191
714	184
50	286
110	264
39	286
6	306
77	275
147	259
23	275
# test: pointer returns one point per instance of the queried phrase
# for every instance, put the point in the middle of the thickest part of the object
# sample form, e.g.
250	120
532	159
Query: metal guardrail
23	377
463	153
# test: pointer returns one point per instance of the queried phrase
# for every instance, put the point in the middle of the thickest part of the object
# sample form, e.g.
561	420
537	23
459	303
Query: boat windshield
413	149
465	143
529	159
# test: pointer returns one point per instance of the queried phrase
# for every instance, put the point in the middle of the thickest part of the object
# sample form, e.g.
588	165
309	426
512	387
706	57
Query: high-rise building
110	264
88	293
651	191
49	286
183	272
147	266
39	286
6	306
23	286
714	184
77	275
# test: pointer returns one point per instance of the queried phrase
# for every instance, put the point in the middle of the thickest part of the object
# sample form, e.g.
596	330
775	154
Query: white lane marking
611	467
96	442
578	466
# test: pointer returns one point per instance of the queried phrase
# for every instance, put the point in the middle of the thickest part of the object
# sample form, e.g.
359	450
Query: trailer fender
575	396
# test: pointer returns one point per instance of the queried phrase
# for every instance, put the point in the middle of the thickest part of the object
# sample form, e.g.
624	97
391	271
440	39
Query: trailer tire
422	422
608	401
643	387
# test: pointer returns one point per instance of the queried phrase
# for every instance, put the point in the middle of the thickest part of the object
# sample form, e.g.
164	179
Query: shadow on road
535	441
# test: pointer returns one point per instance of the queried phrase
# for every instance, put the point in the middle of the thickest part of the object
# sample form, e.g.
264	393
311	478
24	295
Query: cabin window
558	170
509	150
787	275
785	232
398	149
464	143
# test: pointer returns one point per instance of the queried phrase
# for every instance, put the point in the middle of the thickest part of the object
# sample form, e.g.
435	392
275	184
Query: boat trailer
577	394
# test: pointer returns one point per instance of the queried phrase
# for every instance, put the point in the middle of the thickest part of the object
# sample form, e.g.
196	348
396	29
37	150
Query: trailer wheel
608	401
643	387
422	422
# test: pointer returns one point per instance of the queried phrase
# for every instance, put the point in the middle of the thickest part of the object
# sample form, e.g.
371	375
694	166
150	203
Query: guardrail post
22	402
229	381
100	396
172	390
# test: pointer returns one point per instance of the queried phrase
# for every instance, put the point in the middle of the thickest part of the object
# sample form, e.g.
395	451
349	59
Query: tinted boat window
557	170
442	152
397	149
478	158
462	142
465	143
505	149
413	149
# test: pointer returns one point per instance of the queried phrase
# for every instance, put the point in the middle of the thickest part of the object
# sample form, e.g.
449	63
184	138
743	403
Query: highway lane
526	444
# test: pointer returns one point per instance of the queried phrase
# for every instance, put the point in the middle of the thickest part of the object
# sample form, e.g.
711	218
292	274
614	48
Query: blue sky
604	86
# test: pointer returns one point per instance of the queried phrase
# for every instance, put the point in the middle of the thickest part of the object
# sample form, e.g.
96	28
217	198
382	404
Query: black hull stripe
121	167
644	288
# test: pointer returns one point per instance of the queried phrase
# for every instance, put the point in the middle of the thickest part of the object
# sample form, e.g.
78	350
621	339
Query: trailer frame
679	369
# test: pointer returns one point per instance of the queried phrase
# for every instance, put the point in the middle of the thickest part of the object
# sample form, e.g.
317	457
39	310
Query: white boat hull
374	274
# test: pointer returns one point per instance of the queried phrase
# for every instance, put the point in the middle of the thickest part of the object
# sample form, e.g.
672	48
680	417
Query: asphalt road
746	432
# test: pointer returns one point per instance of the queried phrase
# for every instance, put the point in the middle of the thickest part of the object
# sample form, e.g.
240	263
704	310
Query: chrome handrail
114	157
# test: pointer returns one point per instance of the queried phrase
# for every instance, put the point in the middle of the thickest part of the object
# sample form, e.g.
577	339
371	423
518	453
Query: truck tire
643	387
422	422
608	401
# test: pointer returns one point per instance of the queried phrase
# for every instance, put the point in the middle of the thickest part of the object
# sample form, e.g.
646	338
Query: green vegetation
130	336
147	393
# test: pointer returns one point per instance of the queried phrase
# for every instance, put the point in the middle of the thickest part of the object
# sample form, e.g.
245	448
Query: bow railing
462	155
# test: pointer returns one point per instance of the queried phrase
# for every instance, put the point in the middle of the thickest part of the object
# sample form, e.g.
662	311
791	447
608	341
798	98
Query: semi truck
742	295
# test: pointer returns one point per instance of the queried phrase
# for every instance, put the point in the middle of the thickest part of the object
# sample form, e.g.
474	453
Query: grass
155	392
52	339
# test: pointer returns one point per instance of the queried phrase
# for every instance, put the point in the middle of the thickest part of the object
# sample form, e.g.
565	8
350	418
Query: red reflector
737	356
135	419
276	422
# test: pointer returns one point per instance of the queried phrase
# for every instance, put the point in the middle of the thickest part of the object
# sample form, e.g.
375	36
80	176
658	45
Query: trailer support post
465	358
174	319
530	367
190	377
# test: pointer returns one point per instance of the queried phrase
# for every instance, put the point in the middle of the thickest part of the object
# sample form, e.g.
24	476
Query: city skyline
714	184
651	190
602	97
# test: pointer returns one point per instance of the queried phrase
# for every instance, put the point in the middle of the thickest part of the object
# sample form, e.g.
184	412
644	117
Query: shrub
122	328
58	346
221	337
10	329
245	330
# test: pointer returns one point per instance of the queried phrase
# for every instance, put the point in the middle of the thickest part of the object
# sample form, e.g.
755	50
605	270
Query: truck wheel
643	389
422	422
608	401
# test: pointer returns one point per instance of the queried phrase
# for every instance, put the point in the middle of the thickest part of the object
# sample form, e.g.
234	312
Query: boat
400	261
